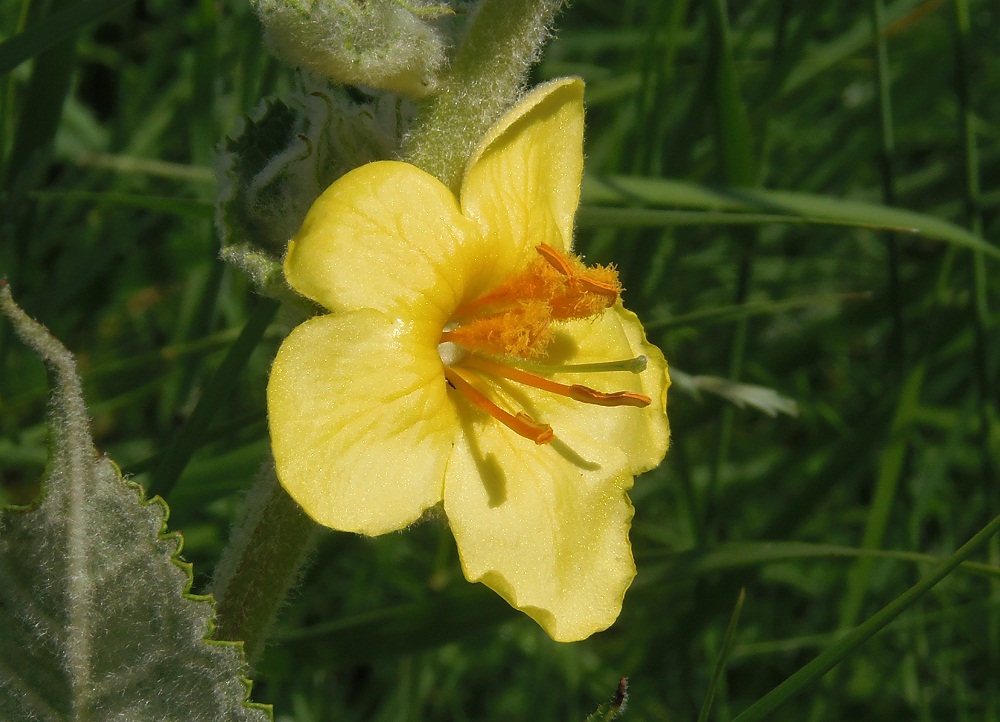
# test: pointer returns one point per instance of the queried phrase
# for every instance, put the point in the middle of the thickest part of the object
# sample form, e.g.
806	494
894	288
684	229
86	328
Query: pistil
577	392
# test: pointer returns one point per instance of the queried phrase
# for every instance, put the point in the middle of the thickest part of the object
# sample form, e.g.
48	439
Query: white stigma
451	353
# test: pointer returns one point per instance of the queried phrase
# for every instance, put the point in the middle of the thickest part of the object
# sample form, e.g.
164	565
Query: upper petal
522	184
382	236
360	423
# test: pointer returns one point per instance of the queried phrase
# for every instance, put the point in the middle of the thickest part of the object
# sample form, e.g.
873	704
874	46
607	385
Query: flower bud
289	150
386	44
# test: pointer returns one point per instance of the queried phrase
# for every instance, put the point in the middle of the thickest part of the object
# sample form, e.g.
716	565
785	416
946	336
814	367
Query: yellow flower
459	363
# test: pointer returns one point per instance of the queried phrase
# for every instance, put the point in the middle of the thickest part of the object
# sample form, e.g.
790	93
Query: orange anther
610	288
614	398
521	424
574	391
555	259
602	288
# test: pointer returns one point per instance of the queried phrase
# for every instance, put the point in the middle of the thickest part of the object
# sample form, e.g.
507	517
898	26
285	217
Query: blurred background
757	170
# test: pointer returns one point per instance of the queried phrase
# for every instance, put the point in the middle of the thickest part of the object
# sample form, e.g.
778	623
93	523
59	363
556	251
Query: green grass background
883	336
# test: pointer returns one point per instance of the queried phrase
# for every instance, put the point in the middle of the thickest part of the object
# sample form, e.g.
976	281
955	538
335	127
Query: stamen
597	280
633	365
514	321
601	288
521	331
521	424
555	259
576	392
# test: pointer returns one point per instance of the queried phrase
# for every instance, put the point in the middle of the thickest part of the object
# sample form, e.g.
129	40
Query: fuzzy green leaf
96	619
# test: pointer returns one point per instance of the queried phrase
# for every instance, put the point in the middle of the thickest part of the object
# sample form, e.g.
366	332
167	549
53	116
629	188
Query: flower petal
361	425
546	533
522	185
547	526
640	434
379	238
643	435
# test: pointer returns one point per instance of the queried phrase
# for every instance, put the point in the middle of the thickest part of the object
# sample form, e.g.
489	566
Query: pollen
584	290
522	331
515	322
565	284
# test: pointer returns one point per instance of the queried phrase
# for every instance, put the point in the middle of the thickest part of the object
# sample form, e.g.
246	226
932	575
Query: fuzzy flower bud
387	44
288	151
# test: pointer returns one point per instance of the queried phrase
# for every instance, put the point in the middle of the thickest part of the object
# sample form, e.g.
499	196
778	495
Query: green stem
892	461
722	657
485	78
980	312
269	547
897	349
733	138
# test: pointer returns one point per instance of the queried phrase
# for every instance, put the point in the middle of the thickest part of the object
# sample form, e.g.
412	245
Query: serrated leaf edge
64	369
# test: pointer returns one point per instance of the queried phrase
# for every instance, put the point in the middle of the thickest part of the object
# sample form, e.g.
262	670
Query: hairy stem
486	76
266	554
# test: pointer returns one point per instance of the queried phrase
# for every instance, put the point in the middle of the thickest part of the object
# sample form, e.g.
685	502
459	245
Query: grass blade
184	443
854	638
53	28
720	660
612	190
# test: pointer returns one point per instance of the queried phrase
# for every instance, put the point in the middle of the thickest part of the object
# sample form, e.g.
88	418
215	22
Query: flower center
502	333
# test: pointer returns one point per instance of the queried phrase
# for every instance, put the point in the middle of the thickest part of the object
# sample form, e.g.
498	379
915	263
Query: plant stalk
265	557
486	76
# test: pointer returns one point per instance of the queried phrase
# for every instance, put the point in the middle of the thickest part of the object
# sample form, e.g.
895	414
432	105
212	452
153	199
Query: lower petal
542	527
361	426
